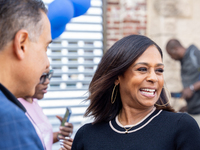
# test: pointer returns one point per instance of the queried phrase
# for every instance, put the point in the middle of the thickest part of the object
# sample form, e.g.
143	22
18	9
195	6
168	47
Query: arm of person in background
188	92
65	131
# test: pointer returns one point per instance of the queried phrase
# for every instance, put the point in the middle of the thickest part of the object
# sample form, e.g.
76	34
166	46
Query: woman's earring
169	98
113	91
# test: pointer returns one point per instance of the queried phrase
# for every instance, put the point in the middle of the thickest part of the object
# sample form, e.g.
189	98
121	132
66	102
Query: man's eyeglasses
46	76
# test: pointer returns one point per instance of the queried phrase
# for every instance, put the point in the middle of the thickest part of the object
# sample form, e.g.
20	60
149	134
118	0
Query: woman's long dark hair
113	64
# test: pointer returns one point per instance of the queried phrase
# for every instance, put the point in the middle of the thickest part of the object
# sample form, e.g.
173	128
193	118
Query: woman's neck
29	99
130	116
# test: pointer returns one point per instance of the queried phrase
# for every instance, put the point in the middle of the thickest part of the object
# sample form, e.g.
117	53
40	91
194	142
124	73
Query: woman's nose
152	77
47	81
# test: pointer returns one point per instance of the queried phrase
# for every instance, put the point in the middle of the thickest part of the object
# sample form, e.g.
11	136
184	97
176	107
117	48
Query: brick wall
125	17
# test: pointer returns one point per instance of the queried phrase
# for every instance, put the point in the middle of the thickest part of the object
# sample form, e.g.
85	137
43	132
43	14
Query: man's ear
21	42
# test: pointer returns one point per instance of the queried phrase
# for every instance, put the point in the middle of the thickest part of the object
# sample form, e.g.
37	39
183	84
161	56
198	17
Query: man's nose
48	63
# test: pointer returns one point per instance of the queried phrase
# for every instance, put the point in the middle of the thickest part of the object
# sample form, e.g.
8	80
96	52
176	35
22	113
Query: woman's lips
44	90
147	92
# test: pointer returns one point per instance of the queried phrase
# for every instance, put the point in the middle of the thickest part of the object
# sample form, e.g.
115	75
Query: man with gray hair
24	38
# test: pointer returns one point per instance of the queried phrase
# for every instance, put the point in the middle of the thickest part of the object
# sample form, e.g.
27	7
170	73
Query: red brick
120	24
113	3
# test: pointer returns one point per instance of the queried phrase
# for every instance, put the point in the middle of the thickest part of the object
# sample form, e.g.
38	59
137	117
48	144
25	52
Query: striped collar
119	128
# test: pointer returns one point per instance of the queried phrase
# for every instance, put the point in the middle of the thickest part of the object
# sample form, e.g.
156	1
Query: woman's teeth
148	91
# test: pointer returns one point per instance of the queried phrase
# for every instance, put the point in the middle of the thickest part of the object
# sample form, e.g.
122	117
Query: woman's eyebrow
147	64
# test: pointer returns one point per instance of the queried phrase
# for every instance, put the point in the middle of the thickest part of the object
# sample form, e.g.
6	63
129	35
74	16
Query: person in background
130	106
24	38
39	119
190	75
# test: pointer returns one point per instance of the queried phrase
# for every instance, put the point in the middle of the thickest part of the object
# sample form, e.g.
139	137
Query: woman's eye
160	70
142	69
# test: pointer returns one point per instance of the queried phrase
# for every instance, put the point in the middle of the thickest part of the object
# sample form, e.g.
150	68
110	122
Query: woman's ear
21	42
117	81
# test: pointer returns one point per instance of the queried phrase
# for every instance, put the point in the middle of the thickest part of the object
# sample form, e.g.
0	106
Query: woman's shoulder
86	125
174	114
185	129
90	128
179	117
93	126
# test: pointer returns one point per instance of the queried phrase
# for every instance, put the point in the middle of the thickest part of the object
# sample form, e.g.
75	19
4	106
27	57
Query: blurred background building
75	55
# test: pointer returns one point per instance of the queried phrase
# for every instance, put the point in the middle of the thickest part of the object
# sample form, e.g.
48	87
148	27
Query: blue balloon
60	13
56	32
80	7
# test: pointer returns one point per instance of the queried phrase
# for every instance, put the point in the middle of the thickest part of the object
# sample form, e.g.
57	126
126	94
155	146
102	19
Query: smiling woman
130	106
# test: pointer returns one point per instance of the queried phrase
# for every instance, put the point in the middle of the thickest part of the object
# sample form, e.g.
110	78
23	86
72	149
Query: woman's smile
148	92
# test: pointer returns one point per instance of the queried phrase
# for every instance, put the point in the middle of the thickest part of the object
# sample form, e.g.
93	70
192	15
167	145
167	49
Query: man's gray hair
20	14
